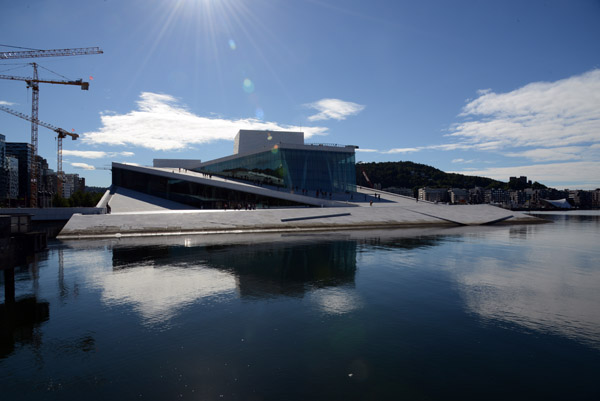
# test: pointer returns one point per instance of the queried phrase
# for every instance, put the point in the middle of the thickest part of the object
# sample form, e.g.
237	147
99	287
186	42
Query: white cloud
552	154
450	146
462	161
333	109
542	122
92	154
367	150
580	175
161	123
84	166
158	294
402	150
540	114
5	103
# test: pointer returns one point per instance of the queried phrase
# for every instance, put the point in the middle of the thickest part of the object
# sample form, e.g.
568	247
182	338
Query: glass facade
293	169
193	193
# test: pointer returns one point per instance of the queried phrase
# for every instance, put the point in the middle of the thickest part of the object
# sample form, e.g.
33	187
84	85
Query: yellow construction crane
33	83
61	133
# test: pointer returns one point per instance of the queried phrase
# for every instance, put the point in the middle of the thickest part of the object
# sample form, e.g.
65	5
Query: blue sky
477	87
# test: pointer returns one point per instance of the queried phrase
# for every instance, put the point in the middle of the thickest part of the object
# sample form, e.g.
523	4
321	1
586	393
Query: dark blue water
508	312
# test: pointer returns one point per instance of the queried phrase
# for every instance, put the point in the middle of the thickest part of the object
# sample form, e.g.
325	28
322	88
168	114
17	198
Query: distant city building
2	150
45	188
596	198
12	178
522	179
476	195
72	184
497	195
580	198
23	152
3	169
434	194
458	195
517	198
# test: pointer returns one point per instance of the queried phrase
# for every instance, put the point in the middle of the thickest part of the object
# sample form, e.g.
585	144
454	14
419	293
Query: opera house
273	181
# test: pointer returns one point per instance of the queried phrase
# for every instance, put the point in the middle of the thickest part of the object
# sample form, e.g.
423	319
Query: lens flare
275	149
248	85
260	114
232	45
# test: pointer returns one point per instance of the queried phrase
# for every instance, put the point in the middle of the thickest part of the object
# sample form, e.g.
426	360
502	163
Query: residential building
434	194
476	195
458	195
497	195
72	184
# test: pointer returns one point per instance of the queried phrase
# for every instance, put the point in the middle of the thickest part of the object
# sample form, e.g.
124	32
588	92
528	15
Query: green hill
415	175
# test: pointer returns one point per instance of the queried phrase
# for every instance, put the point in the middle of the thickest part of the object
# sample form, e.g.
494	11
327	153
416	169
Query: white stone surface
265	220
135	214
125	200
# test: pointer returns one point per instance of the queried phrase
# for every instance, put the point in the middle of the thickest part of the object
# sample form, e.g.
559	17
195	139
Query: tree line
77	199
406	174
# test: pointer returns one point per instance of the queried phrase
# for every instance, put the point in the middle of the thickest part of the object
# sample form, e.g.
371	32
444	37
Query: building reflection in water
159	276
254	269
20	318
158	279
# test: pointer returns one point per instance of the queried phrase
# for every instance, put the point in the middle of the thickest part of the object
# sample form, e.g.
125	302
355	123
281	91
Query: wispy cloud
5	103
160	122
84	166
367	150
540	122
335	109
541	114
580	175
462	161
402	150
92	154
554	154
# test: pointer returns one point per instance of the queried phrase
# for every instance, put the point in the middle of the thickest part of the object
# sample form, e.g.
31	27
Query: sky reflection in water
356	315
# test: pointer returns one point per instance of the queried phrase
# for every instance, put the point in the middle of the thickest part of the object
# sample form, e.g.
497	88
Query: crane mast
33	83
61	133
35	101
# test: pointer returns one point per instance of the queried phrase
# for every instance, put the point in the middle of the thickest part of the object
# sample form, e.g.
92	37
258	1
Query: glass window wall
293	169
193	193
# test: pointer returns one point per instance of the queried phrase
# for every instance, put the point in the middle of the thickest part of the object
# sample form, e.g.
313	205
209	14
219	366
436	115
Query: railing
333	145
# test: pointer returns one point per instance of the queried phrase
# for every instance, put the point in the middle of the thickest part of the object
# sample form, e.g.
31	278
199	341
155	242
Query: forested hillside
415	175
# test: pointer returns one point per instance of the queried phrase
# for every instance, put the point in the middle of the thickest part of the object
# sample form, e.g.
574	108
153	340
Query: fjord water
510	312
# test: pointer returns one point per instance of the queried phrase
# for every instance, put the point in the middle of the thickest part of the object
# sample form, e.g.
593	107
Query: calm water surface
471	313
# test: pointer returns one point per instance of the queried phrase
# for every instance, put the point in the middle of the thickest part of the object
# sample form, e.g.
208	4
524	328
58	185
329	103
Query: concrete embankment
50	220
17	241
281	220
